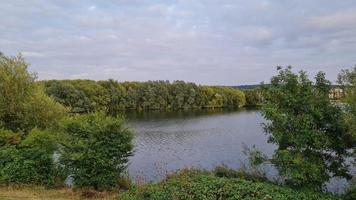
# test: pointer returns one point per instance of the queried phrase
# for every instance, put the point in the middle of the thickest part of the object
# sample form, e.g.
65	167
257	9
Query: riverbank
200	185
42	193
186	184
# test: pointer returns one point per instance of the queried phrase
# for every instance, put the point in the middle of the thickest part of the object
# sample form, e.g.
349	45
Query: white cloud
93	7
32	54
342	19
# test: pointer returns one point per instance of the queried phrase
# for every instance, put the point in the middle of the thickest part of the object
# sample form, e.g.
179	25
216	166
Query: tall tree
23	104
312	140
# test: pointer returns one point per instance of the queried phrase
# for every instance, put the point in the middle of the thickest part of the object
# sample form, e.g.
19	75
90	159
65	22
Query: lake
167	141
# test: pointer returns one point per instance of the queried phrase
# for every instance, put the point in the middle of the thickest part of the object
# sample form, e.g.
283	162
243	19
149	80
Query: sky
214	42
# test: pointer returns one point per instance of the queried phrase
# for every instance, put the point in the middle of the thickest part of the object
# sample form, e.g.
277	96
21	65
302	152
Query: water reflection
203	139
168	141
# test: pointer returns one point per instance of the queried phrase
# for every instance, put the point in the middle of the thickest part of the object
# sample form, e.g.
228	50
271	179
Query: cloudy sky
223	42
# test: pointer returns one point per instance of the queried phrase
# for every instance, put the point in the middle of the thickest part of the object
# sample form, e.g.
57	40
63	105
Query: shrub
223	171
96	150
195	185
27	161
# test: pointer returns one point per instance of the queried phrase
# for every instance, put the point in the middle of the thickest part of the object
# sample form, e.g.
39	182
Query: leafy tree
116	94
15	88
347	78
42	111
254	97
97	95
68	95
308	129
23	104
96	150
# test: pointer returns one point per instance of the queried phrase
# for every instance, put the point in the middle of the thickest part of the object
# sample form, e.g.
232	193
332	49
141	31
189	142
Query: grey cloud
210	42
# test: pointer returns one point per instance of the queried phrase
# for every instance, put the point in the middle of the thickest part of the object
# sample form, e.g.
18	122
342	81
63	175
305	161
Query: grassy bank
41	193
199	185
184	185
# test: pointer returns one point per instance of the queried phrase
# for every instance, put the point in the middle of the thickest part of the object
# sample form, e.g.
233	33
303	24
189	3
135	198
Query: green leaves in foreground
194	185
96	150
27	161
310	131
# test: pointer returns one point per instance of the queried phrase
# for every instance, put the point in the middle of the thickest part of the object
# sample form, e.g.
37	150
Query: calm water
167	141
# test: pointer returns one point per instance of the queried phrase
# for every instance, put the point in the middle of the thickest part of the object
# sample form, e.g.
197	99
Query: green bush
96	150
312	137
23	103
27	161
195	185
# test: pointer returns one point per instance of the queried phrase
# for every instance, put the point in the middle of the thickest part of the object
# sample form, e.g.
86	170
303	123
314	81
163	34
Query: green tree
254	97
23	104
96	150
347	78
66	94
16	87
116	94
308	129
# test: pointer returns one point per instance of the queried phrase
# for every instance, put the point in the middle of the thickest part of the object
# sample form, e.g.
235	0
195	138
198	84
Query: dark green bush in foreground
29	160
96	150
197	185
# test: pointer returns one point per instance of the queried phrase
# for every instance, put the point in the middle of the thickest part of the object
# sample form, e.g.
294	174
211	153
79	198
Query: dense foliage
197	185
310	132
26	148
96	150
29	160
254	97
347	78
111	96
23	104
93	148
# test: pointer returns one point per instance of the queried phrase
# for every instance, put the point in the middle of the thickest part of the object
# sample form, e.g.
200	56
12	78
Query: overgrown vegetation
96	150
347	78
23	104
111	96
28	160
35	131
196	185
254	97
27	120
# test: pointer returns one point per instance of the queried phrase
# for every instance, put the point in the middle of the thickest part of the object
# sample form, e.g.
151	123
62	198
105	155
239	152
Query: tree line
83	96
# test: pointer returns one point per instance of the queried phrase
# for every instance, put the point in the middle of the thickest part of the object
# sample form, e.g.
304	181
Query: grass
188	184
198	185
42	193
